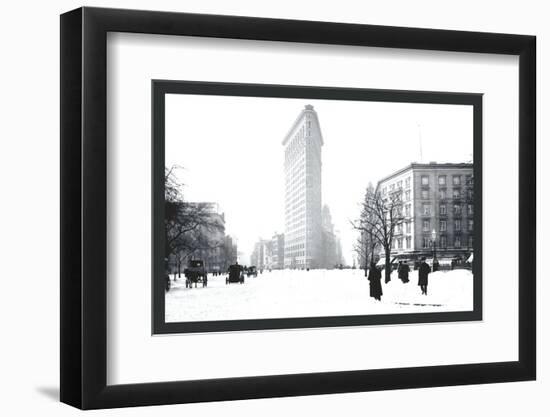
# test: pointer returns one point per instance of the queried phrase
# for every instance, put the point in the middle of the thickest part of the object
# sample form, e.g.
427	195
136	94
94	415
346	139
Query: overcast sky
231	153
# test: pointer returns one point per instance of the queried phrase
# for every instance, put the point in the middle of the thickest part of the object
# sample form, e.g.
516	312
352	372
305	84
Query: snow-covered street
291	293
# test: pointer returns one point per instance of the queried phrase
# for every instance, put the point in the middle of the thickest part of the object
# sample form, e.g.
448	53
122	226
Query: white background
29	213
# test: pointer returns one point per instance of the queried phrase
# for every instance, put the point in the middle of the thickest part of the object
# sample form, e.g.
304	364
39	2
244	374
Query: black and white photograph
286	208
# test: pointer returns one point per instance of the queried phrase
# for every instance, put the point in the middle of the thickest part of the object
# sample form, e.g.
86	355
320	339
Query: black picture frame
159	89
84	179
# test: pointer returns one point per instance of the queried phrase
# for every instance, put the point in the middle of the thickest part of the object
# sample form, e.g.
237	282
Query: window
470	209
442	210
458	242
408	242
426	225
407	182
456	193
408	227
426	242
392	187
456	179
408	195
443	241
470	241
425	180
408	210
400	243
425	195
399	184
457	210
470	225
442	180
458	225
442	194
443	225
393	243
384	190
426	209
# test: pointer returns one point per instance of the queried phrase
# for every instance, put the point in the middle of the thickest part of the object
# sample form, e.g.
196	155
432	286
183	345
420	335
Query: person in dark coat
403	271
375	286
423	272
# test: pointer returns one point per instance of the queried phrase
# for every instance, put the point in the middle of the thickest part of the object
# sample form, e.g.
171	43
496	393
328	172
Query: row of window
442	179
426	225
427	242
293	248
398	185
427	210
457	209
292	254
458	242
456	180
443	227
457	193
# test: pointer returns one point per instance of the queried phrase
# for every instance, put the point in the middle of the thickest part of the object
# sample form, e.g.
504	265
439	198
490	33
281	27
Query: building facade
261	256
206	241
437	207
211	241
302	167
278	251
331	246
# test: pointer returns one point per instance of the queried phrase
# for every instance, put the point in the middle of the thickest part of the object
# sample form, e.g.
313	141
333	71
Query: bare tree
380	216
368	228
189	227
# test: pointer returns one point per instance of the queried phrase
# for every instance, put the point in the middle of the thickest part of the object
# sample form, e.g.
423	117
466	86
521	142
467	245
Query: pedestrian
375	286
423	272
403	271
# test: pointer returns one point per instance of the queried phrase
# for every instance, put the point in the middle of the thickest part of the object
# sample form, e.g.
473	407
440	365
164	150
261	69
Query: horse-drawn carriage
235	274
251	271
195	273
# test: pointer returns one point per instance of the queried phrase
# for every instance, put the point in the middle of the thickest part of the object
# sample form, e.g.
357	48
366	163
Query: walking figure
375	286
423	272
403	271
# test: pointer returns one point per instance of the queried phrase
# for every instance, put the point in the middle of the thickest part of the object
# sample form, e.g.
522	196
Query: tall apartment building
302	167
437	205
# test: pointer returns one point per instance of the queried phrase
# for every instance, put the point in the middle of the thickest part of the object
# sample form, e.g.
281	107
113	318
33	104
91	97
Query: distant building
278	251
206	241
230	251
330	241
437	205
302	167
261	256
211	241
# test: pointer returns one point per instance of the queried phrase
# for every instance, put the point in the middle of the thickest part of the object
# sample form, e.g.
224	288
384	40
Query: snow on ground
286	293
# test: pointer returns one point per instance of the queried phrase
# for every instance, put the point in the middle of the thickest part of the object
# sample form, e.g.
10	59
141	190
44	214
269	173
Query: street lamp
435	264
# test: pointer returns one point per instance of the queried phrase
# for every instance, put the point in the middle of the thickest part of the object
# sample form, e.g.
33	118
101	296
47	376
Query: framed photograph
306	238
258	208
